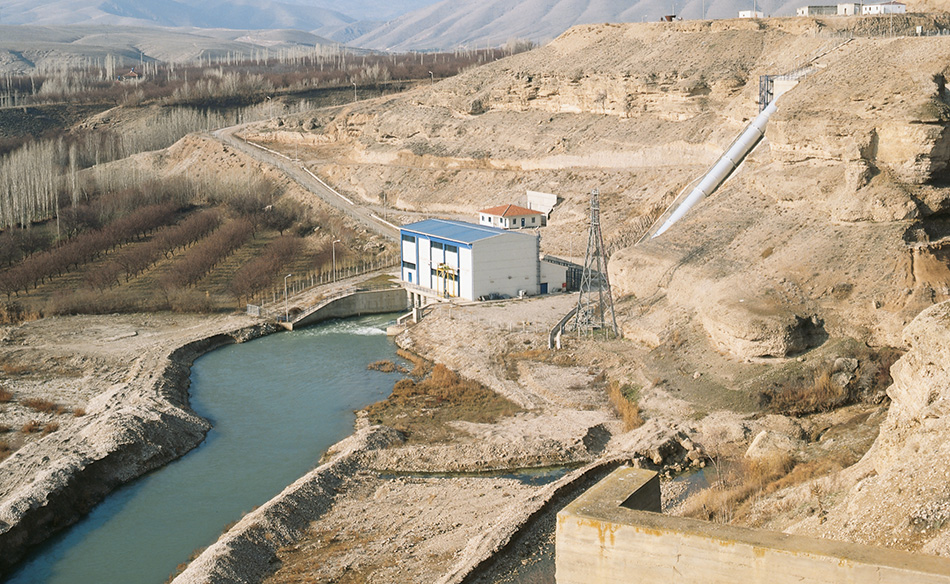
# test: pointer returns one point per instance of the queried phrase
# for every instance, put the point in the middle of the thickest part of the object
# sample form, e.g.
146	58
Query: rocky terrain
808	264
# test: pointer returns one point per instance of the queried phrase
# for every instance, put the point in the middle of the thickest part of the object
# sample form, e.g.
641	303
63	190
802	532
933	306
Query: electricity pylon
595	306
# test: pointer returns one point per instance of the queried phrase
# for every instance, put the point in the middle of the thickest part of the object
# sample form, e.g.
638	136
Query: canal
277	403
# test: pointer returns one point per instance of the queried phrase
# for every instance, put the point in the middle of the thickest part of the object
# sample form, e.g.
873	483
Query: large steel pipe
726	164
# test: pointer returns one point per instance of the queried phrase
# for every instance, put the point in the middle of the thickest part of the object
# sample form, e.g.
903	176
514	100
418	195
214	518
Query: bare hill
236	14
25	49
451	23
834	230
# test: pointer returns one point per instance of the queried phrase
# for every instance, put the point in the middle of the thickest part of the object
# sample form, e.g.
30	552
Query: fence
298	285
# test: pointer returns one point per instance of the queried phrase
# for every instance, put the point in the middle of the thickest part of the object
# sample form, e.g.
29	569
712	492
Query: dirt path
300	174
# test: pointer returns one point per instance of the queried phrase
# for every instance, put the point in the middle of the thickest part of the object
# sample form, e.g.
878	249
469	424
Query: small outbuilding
751	14
511	217
458	259
849	9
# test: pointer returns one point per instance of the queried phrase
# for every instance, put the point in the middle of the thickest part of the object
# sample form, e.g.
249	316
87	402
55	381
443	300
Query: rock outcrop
900	491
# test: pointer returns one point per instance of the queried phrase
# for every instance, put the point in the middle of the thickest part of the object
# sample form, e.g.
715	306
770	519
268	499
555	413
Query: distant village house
751	14
885	8
853	9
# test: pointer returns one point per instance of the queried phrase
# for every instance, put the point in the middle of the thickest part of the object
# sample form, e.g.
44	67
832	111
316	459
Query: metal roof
458	231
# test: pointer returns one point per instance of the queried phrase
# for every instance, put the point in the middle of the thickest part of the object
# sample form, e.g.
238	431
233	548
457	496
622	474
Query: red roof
509	211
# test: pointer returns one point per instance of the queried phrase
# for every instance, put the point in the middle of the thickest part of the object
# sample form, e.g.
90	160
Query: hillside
30	49
831	235
452	23
235	14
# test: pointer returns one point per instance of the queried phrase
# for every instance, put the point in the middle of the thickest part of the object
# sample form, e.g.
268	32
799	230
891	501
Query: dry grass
4	428
822	394
420	367
623	398
6	449
738	483
6	395
384	366
44	406
50	427
31	427
15	369
79	412
421	409
509	360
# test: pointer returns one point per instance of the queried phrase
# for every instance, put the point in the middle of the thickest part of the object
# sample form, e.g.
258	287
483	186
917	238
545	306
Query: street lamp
333	247
286	309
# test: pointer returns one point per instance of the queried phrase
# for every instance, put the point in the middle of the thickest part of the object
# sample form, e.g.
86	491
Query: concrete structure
511	217
448	259
849	9
611	534
884	8
751	14
817	11
543	202
352	303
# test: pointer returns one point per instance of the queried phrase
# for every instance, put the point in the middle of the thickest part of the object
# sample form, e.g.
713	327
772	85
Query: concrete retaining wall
357	303
600	539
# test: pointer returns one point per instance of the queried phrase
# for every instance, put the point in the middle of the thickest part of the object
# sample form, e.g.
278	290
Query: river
277	404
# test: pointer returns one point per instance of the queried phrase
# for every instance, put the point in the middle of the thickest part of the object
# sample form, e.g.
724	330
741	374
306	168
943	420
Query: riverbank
110	394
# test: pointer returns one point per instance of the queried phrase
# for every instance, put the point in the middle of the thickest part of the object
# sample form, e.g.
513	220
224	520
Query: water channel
277	404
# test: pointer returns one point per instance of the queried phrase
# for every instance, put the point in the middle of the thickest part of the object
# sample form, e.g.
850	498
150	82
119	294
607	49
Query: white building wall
466	274
424	267
553	275
505	264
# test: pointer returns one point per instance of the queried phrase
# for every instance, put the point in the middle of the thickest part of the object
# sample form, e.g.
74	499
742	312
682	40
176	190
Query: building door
544	288
522	221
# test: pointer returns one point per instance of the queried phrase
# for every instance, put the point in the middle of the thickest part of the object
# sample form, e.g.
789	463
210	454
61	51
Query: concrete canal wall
604	537
356	304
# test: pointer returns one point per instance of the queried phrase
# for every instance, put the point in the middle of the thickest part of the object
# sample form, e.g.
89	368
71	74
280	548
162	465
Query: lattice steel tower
595	306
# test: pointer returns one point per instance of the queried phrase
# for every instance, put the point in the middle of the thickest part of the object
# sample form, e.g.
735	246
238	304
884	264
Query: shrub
820	395
623	398
738	482
31	427
79	412
384	366
5	395
42	405
50	427
5	449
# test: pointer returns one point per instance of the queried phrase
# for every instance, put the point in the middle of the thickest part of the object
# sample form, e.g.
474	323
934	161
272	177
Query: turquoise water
277	404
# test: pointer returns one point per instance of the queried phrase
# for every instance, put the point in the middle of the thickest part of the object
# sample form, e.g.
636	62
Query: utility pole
595	306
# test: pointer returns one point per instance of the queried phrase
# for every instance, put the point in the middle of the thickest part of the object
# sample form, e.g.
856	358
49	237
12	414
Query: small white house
884	8
458	259
751	14
510	217
849	9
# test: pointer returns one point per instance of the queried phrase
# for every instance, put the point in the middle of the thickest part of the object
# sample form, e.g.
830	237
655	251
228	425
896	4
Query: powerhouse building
458	259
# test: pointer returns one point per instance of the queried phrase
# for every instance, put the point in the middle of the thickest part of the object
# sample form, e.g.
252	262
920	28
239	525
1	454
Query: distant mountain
377	11
233	14
452	23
